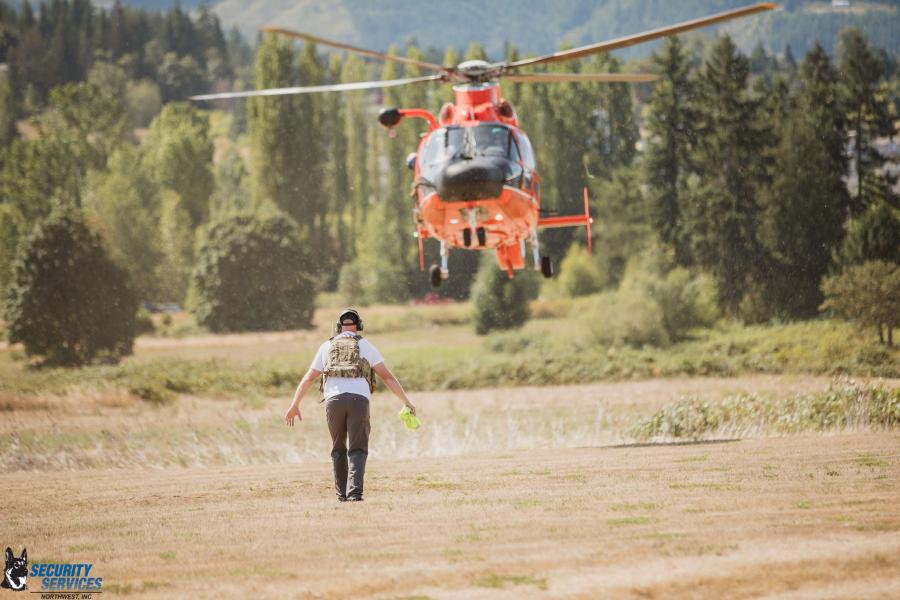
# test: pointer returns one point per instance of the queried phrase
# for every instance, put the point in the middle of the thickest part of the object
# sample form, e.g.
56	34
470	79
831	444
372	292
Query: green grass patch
435	347
705	485
501	581
631	507
691	459
627	521
868	460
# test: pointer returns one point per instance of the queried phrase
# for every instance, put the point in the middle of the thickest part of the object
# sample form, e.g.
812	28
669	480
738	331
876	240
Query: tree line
741	175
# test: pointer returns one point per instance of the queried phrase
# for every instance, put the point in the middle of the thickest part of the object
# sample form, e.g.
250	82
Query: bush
501	302
875	235
686	301
143	101
143	322
252	274
579	274
626	317
846	404
67	301
350	285
868	294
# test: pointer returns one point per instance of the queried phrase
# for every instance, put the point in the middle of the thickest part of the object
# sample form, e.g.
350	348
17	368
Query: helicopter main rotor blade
565	77
313	89
342	46
639	38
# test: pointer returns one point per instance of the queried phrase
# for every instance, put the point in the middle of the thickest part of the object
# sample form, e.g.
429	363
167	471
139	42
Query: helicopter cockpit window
492	139
527	152
448	143
442	145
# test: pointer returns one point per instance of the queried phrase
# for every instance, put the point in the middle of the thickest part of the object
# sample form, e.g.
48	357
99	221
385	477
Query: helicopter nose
470	180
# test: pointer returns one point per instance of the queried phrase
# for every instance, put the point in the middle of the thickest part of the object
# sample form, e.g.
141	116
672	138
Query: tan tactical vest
343	360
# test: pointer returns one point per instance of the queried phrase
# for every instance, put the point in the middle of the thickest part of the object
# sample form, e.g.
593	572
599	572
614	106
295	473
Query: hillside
533	28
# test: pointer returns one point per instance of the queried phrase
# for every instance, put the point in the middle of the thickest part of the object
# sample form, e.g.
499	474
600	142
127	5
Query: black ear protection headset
355	316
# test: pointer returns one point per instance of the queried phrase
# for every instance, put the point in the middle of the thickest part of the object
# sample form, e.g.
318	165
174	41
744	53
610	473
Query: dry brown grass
798	517
505	493
109	428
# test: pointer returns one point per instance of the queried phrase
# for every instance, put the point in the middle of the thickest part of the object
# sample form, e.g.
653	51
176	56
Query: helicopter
476	184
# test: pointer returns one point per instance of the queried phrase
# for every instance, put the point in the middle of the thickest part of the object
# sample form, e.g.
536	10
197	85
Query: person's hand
293	411
411	407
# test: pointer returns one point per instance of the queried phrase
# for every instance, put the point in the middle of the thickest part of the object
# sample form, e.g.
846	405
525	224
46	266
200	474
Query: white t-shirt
343	385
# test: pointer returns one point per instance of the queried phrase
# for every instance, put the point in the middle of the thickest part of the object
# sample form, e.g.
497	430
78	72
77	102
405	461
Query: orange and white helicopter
476	180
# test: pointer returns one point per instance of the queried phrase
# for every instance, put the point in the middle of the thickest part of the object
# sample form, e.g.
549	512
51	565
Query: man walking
348	364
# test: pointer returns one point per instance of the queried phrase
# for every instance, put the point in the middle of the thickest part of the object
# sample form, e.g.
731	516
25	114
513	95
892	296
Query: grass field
735	484
435	347
794	517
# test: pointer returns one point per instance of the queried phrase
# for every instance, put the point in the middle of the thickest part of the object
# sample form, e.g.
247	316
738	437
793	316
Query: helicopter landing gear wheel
436	278
482	236
546	267
467	237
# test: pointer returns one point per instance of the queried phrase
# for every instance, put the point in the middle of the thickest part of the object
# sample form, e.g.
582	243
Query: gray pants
348	416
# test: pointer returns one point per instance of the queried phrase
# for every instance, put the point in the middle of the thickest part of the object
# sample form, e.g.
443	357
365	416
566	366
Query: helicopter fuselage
476	181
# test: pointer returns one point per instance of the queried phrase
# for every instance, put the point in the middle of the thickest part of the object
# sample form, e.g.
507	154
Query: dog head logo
15	571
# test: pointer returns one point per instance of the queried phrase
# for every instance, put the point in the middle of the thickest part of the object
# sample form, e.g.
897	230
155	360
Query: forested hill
535	26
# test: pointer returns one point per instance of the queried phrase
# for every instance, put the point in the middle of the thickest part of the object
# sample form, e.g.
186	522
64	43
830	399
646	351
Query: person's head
349	320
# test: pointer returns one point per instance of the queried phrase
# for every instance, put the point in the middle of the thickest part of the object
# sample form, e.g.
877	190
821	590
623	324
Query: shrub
68	301
626	317
868	294
152	393
579	274
875	235
143	102
350	284
252	274
846	404
686	301
143	322
501	302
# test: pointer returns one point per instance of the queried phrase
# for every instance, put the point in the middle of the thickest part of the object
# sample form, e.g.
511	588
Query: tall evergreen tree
311	144
276	145
732	147
338	185
807	204
393	222
671	120
356	128
866	101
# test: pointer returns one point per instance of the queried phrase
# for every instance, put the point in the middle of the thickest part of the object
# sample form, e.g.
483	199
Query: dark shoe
342	499
355	499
